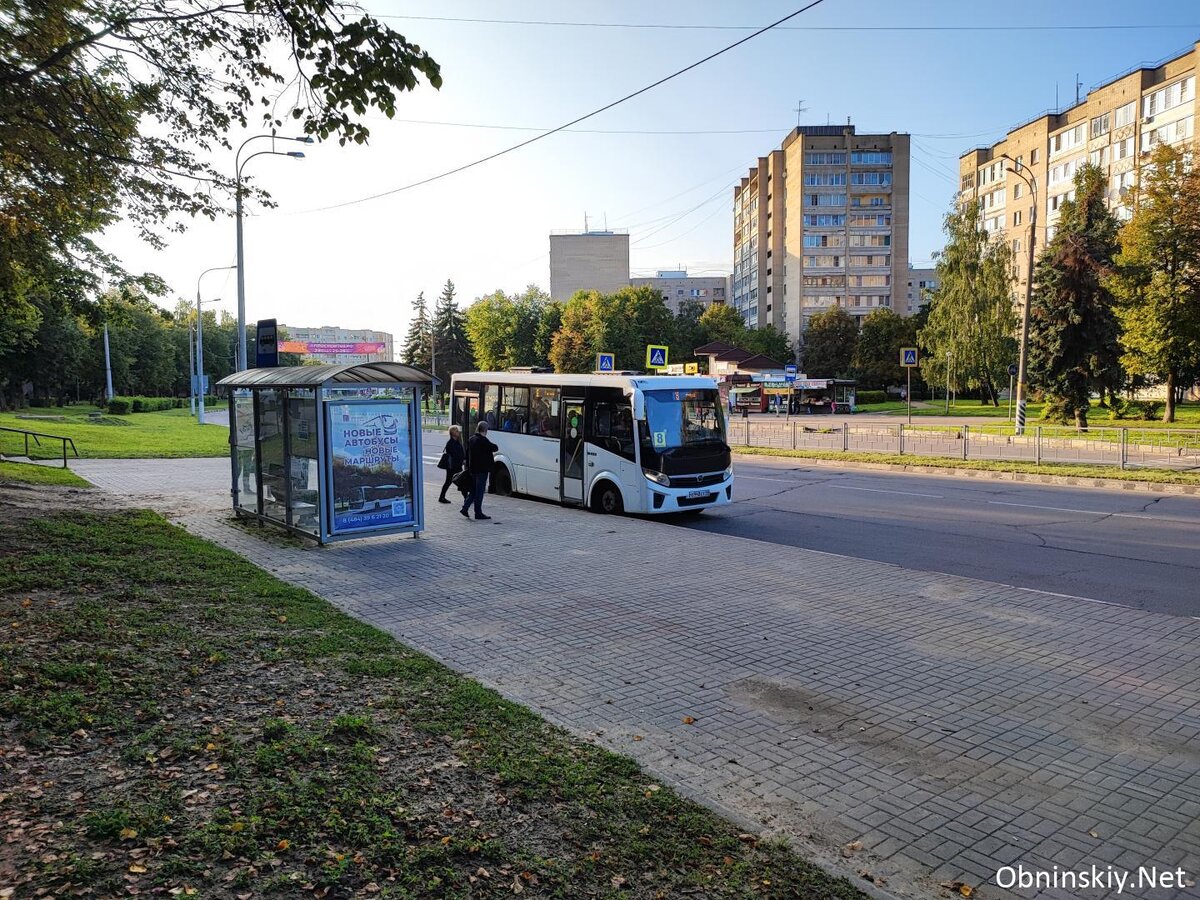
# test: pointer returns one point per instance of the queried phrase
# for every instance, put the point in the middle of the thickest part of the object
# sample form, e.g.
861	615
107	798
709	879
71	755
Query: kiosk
329	452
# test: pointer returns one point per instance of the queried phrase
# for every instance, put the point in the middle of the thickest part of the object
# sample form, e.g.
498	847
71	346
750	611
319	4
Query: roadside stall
823	395
329	452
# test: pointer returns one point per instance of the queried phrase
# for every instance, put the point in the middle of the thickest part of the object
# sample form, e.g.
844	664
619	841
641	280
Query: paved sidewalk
953	726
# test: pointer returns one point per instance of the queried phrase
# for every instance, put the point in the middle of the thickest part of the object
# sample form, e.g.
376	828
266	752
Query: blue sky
488	228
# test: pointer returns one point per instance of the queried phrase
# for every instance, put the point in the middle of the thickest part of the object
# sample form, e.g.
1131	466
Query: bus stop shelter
329	452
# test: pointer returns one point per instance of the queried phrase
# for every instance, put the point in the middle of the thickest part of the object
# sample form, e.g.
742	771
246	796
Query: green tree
415	351
769	341
549	321
1073	330
451	343
971	315
722	322
504	329
622	323
829	344
876	359
687	332
1157	276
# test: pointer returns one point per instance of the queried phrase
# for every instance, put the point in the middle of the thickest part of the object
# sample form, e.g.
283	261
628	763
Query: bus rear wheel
606	499
501	482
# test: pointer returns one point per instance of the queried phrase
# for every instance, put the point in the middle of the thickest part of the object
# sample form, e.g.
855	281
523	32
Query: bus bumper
665	500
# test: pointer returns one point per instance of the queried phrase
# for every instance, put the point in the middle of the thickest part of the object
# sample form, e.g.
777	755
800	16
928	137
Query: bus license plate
697	494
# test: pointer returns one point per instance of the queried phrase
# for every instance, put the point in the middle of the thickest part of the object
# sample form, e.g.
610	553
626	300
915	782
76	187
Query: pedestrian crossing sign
606	362
656	356
908	357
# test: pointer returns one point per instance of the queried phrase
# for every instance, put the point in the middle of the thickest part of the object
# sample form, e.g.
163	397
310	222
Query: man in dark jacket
481	459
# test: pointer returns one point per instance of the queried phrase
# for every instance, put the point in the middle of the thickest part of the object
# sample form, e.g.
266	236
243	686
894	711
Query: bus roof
641	382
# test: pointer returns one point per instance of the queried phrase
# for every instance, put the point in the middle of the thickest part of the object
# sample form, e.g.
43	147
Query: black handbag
444	462
464	481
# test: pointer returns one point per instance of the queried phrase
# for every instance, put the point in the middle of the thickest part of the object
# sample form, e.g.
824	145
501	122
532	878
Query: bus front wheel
501	482
606	499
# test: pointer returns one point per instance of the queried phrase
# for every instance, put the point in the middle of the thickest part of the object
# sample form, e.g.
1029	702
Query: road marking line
846	487
1095	512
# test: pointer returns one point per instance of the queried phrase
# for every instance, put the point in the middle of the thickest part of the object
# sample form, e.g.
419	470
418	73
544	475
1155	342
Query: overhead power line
675	26
575	121
782	130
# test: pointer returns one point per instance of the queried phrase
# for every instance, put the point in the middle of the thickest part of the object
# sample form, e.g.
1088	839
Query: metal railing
1124	448
37	443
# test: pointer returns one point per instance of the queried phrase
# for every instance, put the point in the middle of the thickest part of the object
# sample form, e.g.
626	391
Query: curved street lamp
239	164
1022	360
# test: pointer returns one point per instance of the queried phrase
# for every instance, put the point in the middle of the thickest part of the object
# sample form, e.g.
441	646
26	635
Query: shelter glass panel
245	451
272	455
303	468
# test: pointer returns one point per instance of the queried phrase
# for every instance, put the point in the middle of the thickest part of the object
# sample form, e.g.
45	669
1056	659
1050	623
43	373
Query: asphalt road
1140	550
1134	549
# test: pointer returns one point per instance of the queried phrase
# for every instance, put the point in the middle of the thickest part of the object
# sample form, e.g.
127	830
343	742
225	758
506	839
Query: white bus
609	443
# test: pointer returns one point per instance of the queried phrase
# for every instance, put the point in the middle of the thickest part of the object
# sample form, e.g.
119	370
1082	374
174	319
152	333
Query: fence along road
1125	448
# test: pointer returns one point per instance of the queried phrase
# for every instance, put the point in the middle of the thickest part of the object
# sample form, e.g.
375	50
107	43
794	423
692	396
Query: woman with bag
452	460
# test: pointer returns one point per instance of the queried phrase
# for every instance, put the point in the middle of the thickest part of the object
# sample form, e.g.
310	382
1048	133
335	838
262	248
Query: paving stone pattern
953	726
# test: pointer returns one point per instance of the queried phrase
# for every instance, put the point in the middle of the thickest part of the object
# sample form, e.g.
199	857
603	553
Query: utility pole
1023	358
107	366
947	382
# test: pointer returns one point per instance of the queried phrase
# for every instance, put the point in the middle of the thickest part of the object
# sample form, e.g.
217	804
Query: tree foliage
829	344
622	323
1073	330
1157	276
510	330
415	350
876	360
971	316
451	344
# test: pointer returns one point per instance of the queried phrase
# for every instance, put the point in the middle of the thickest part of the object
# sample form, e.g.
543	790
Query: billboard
332	347
372	464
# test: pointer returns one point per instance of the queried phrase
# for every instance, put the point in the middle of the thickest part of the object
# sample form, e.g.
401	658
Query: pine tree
452	351
1073	330
416	343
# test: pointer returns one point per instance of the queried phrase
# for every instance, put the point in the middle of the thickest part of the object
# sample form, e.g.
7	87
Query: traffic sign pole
909	394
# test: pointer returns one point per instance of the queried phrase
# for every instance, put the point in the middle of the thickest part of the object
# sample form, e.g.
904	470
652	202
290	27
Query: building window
824	220
1017	190
871	157
825	159
1100	125
1016	245
1017	217
1033	156
826	200
1124	115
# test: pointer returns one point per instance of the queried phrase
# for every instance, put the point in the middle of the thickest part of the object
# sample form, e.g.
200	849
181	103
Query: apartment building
337	346
821	222
677	288
1115	127
921	283
588	261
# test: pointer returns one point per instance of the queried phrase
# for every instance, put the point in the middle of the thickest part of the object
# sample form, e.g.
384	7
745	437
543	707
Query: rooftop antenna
1056	106
606	221
800	108
585	222
1078	85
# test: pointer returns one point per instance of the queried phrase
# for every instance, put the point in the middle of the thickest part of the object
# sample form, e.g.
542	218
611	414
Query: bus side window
612	429
491	406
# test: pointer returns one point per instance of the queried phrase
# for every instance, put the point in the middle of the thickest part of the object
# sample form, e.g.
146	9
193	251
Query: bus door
466	413
571	455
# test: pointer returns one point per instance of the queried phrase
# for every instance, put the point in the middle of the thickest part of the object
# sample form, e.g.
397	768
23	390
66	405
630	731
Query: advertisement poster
372	465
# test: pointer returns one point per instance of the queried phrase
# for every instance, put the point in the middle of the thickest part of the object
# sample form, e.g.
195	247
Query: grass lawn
171	433
1157	476
178	721
27	473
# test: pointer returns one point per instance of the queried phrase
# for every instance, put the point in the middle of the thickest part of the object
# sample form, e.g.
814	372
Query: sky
662	165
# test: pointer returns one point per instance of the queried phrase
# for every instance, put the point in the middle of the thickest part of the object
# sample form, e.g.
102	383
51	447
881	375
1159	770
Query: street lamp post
947	382
239	163
200	343
1023	358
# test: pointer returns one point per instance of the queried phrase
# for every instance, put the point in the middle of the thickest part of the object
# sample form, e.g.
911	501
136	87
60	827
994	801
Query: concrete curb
1108	484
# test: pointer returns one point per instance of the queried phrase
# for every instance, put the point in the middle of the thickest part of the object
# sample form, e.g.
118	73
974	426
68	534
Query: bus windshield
686	418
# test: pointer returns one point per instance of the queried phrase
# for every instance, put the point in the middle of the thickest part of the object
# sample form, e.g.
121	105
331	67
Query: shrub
864	397
1150	409
120	406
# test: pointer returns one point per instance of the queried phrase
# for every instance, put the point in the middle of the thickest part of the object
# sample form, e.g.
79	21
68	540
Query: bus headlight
657	477
728	473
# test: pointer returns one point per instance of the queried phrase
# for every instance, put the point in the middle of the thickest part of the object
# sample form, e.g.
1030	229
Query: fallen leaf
283	844
237	826
128	834
210	746
283	618
638	737
137	869
212	767
850	849
689	720
617	881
